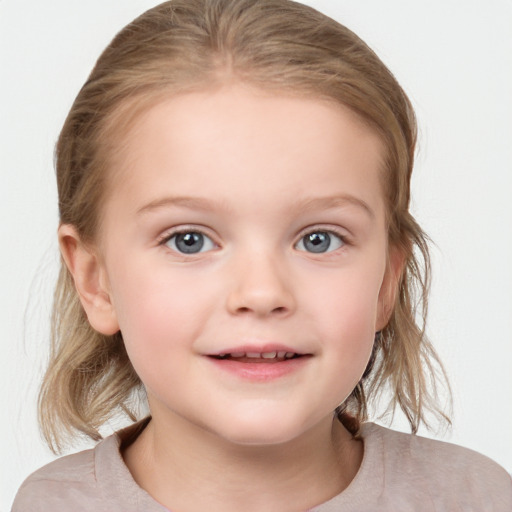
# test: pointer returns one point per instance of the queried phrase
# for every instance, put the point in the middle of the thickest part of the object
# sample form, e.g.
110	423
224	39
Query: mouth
258	357
262	364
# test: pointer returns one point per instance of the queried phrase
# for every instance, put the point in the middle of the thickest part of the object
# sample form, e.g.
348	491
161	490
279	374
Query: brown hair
183	45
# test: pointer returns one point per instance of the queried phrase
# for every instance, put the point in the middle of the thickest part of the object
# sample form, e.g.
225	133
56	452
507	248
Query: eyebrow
193	203
307	205
325	203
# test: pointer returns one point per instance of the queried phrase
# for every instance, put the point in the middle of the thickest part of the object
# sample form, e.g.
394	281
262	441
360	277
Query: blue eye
190	242
320	242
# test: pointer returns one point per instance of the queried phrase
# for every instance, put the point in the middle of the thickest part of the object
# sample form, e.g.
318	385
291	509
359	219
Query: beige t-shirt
399	473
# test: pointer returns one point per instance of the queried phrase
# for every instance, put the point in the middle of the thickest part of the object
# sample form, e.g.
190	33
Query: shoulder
95	479
442	472
68	483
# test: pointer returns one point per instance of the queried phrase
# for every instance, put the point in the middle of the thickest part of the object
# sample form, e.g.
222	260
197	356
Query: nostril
260	299
279	310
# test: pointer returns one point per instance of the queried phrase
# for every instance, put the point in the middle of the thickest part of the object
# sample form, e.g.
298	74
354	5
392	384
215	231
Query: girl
234	182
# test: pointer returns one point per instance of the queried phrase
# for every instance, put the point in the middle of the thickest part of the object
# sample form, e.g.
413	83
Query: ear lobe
390	287
90	279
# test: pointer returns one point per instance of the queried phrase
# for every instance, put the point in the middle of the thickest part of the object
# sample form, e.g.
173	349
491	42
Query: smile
259	365
255	357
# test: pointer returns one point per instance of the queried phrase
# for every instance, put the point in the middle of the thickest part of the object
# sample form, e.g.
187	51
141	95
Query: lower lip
261	372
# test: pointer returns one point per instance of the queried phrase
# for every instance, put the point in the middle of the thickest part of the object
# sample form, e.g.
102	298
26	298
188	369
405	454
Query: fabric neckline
113	476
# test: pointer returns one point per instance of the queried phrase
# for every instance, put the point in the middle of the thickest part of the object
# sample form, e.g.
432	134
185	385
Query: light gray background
453	57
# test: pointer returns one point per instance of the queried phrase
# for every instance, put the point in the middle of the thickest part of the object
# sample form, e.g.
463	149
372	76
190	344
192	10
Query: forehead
238	140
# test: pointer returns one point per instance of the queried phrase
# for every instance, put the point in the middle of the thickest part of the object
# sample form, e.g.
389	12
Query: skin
259	171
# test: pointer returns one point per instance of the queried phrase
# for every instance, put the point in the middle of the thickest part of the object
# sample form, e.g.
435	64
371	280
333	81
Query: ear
90	279
389	288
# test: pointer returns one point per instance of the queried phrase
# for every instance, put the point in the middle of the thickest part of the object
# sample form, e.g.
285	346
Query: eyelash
168	236
329	231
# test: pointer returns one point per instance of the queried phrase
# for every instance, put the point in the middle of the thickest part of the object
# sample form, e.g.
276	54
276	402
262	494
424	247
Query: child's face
242	221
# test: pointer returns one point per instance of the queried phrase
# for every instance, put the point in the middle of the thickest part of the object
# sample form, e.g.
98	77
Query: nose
261	285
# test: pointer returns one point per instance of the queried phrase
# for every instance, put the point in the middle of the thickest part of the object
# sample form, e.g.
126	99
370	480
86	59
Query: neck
172	463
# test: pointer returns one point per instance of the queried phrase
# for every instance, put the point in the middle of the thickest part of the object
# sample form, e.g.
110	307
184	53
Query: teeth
259	355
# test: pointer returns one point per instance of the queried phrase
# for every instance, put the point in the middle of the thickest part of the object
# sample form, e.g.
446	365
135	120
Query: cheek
344	310
347	300
157	315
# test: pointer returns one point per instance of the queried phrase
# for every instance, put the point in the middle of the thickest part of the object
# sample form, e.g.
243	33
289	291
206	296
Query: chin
262	431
